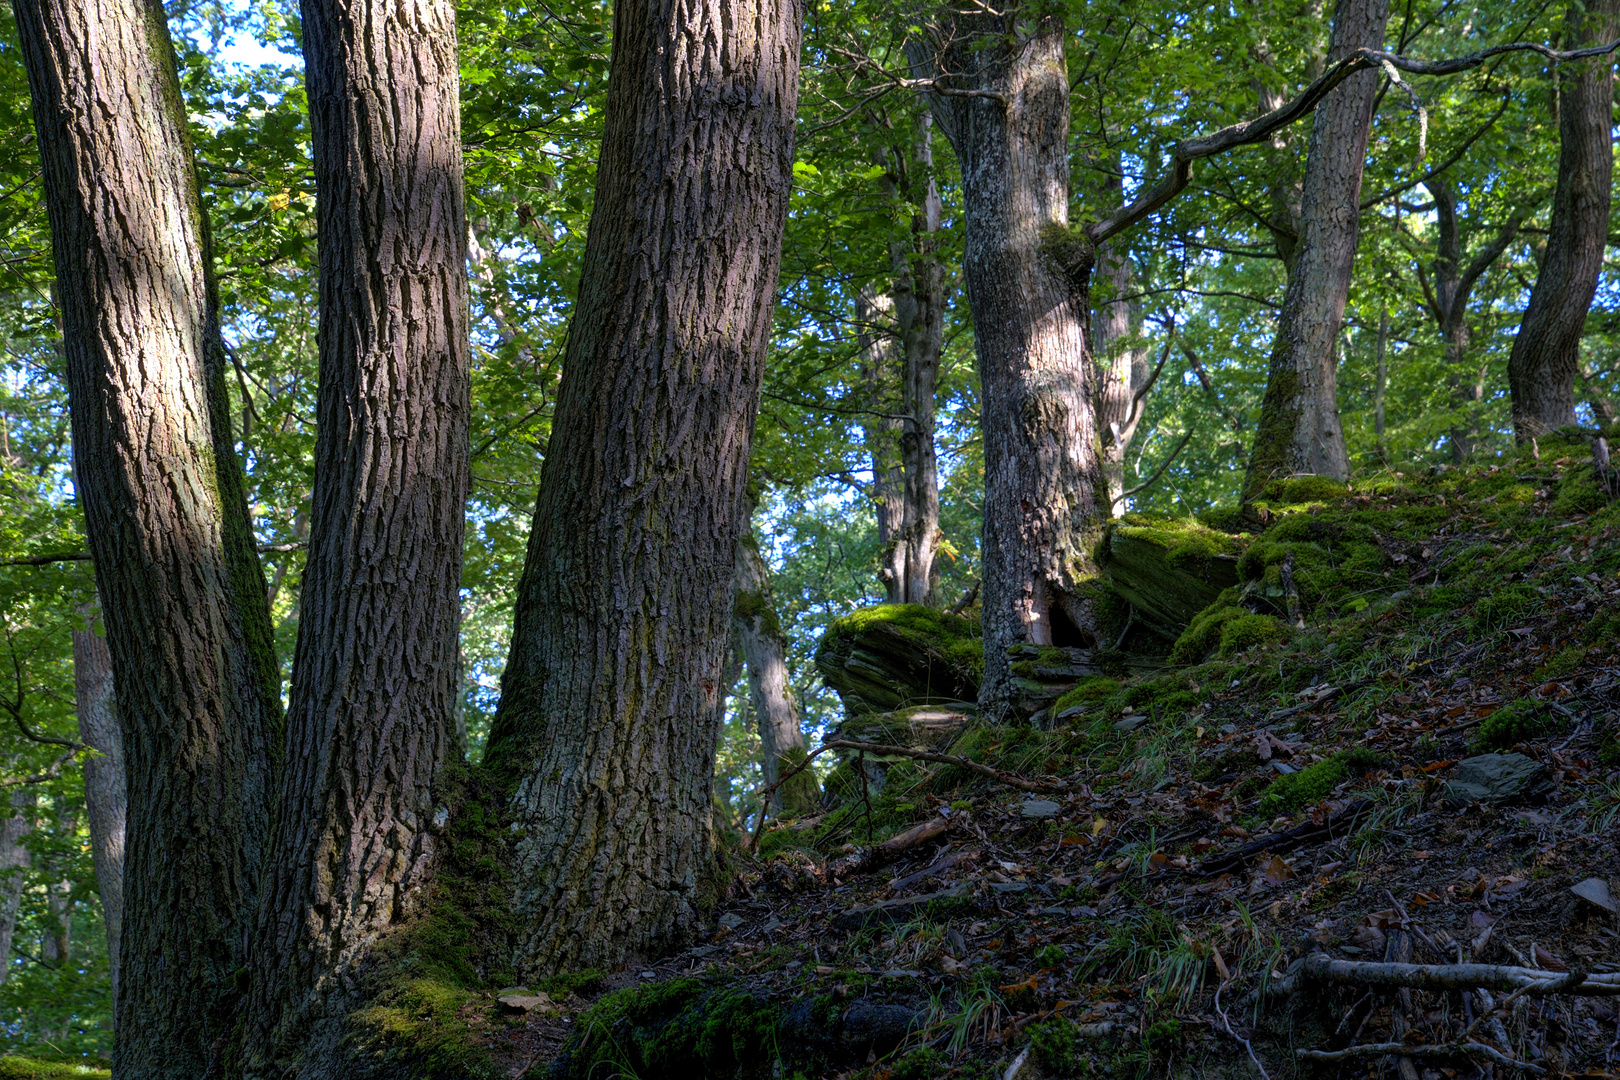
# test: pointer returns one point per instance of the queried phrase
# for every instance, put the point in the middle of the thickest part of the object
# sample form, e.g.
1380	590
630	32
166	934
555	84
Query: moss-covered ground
1445	615
23	1068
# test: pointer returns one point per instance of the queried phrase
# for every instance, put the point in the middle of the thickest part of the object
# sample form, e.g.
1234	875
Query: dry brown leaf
1278	871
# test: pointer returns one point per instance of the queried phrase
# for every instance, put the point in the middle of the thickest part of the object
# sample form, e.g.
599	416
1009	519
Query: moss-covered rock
22	1068
1168	570
891	656
1314	783
689	1030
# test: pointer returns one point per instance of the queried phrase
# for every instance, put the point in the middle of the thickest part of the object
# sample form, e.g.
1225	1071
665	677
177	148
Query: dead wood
1335	827
1425	1053
869	859
1531	982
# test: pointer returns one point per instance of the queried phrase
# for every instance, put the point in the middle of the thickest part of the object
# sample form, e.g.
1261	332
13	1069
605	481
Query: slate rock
874	1027
520	999
900	909
731	920
1130	723
1039	808
1499	779
1595	891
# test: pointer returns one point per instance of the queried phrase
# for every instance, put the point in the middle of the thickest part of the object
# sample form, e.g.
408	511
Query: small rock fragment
1595	891
520	999
1039	808
1499	779
730	921
1130	723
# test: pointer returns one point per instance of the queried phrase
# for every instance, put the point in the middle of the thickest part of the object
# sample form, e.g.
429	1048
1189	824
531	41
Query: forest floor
1130	923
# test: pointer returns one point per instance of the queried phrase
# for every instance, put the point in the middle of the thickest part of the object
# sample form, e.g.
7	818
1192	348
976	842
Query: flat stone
523	1001
1130	723
900	909
1071	712
1005	887
730	920
1039	808
1594	890
1499	779
1282	767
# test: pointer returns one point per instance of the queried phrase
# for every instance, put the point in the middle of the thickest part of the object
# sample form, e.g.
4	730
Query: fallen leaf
1278	871
1220	964
1548	961
1425	898
1370	938
1099	826
1236	830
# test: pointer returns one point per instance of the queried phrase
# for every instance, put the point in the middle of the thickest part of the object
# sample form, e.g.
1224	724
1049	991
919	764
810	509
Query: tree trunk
104	792
183	596
920	293
1381	386
371	716
1448	303
764	650
607	719
14	862
1122	368
1028	283
881	431
1299	430
1546	351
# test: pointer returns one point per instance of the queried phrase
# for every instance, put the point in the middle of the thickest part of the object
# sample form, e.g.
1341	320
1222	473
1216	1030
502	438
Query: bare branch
1261	128
46	560
1144	485
1427	1053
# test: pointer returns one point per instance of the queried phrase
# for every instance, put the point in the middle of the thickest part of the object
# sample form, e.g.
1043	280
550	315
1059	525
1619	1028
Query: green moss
1246	631
682	1029
1578	492
1297	490
1088	691
1510	725
572	982
948	647
21	1068
923	1063
1274	436
1314	783
1203	635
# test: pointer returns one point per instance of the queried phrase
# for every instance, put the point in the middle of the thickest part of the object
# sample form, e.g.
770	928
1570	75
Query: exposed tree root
1319	967
1424	1053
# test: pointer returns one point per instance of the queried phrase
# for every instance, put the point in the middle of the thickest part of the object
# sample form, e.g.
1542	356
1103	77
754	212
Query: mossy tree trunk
1299	430
1028	283
1122	362
371	718
607	721
881	432
188	626
105	795
1546	350
764	650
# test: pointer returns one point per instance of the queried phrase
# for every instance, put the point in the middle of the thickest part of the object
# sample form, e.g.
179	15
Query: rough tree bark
881	432
606	726
1122	367
14	863
919	294
184	599
371	717
764	650
106	801
1447	299
1028	284
1299	429
1546	351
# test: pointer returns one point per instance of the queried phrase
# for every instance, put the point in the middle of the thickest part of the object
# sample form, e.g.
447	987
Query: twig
967	599
1227	1024
1144	485
1429	1053
1533	982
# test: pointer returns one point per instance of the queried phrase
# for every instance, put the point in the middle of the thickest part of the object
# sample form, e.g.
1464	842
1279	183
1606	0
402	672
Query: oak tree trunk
764	650
106	801
881	432
188	627
1299	430
1448	303
1546	351
14	863
607	721
371	719
1122	369
1028	284
919	293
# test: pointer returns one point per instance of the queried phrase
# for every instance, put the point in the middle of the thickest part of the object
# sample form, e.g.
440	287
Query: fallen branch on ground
1319	967
1334	827
869	859
1422	1053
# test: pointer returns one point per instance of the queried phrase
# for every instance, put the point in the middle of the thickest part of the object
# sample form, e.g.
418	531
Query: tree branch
1261	128
1534	983
1426	1053
1144	485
